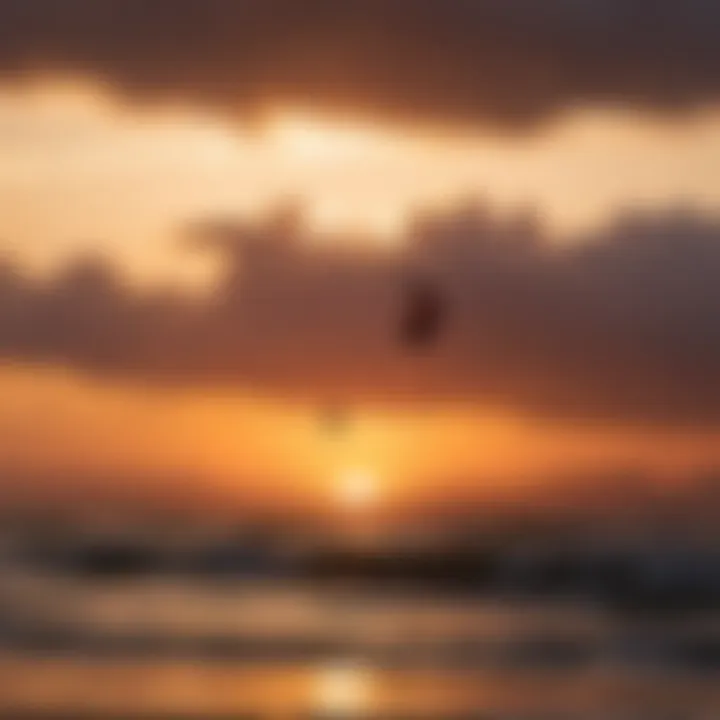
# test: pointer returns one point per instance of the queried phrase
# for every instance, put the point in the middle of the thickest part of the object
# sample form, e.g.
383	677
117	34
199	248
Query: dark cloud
506	61
621	327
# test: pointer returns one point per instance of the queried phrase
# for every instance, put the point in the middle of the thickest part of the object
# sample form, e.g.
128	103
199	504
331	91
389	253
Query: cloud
512	62
620	327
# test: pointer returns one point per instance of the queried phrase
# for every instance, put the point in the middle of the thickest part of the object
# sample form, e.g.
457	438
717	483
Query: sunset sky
208	211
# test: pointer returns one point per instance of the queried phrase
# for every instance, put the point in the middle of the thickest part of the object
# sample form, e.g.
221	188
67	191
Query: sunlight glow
311	139
357	489
342	689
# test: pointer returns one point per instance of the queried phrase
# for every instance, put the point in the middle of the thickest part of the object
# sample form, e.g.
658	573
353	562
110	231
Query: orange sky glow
82	172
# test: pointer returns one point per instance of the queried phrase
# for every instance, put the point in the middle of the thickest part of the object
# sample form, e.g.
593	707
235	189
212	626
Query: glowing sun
357	489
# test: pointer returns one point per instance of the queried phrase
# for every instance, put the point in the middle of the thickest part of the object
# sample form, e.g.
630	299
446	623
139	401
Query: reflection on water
73	688
343	689
98	650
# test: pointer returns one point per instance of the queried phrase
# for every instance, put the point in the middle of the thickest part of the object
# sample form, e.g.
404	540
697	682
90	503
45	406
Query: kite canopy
423	315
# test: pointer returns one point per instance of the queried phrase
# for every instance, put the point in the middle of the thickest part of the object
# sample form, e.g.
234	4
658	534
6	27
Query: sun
357	489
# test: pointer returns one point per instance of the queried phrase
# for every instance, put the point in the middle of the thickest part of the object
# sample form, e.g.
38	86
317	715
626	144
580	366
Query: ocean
157	647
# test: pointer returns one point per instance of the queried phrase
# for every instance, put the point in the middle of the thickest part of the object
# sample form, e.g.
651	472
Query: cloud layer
619	327
511	62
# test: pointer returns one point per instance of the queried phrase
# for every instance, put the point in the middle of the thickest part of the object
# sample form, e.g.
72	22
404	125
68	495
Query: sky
209	211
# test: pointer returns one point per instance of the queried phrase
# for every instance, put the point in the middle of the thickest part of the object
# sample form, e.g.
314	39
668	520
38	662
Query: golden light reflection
343	689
